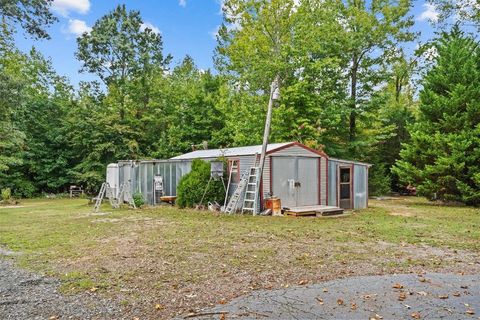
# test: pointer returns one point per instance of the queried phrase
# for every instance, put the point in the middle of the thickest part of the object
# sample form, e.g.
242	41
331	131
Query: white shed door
295	180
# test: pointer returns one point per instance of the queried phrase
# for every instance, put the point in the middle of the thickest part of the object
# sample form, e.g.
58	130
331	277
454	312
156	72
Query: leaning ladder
105	190
233	168
233	202
125	193
250	199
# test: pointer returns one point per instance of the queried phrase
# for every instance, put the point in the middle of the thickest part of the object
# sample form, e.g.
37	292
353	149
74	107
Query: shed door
295	180
308	178
284	177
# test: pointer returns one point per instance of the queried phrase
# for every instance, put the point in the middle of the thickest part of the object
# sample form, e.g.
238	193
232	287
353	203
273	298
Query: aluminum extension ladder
250	199
234	200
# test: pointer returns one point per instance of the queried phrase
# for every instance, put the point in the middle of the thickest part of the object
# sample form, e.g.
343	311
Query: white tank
113	177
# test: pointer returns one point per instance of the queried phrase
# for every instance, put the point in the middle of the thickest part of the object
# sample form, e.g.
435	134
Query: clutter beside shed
294	174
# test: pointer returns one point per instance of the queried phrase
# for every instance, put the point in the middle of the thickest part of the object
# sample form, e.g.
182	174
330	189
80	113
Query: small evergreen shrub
192	186
138	199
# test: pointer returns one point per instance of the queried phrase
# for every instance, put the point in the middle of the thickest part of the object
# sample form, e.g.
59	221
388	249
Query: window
344	183
234	168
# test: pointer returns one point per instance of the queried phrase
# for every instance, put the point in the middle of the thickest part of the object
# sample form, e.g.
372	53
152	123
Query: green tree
443	155
32	15
120	47
466	12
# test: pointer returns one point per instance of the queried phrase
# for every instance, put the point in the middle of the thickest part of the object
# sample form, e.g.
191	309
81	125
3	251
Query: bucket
275	205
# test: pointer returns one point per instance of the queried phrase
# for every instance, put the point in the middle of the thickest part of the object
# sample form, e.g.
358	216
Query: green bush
6	195
138	199
192	186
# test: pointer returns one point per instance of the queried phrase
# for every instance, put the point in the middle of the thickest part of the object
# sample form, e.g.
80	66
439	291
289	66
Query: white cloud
64	7
430	13
78	27
214	32
150	26
182	3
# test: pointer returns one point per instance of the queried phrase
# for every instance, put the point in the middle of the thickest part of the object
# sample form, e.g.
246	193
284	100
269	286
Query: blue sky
187	27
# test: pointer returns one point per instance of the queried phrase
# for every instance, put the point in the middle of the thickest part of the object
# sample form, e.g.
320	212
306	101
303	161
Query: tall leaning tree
255	47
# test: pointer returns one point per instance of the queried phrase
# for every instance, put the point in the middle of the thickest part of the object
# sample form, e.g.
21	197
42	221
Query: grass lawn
165	261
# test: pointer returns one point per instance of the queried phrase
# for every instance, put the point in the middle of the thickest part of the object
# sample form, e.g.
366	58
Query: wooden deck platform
317	210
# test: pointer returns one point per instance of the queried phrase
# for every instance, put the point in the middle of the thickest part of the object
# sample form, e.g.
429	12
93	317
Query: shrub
6	197
6	194
192	186
138	199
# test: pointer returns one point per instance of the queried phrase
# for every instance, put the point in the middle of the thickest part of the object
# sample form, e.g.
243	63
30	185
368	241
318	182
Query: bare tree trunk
353	99
266	133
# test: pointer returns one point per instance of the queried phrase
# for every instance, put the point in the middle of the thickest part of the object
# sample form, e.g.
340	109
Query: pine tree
443	157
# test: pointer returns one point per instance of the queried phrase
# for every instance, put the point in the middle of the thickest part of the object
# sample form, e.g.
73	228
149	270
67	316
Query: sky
187	26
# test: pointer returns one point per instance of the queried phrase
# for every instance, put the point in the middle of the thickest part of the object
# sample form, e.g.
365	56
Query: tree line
348	86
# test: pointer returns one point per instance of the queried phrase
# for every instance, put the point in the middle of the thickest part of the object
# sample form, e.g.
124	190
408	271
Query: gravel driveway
409	296
25	295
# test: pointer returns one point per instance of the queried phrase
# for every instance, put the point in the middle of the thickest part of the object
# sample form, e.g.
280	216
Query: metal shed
298	175
348	183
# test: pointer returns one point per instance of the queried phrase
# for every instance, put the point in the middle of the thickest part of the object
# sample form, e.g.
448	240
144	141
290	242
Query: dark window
344	183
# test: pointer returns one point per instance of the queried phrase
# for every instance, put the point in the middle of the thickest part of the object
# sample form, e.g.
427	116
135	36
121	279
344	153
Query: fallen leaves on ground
470	311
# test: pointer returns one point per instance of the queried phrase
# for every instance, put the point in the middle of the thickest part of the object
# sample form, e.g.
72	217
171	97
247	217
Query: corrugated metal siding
141	176
360	187
332	182
323	181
